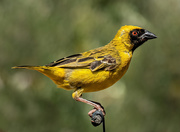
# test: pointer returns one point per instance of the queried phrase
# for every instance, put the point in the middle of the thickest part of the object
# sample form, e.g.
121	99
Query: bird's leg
97	106
93	110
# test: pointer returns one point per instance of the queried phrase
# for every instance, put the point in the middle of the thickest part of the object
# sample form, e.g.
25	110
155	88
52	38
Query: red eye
134	33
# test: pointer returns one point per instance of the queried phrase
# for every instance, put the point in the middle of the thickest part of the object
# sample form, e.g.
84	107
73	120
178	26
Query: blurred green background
37	32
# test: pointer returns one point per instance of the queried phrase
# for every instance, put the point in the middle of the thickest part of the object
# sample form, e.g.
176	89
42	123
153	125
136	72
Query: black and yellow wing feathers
94	60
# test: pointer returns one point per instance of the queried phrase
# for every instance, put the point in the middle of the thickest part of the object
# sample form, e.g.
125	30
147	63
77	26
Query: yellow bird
96	69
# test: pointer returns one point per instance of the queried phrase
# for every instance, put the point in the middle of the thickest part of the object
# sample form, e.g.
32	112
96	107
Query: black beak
147	35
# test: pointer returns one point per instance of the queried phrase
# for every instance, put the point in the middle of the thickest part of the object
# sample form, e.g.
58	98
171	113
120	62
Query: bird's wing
100	58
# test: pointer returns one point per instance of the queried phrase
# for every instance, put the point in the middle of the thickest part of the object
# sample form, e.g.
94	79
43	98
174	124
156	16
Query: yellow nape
124	30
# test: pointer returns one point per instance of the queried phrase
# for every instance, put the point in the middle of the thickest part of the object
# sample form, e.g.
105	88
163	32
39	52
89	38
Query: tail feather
28	67
55	73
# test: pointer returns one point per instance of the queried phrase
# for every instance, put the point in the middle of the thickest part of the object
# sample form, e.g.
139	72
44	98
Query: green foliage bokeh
146	99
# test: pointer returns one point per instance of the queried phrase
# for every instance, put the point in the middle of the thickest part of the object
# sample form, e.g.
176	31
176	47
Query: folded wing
98	59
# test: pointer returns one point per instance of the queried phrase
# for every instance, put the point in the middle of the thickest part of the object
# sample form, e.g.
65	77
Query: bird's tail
37	68
54	73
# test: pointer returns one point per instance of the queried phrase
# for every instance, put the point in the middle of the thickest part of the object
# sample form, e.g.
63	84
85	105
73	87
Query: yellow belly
91	81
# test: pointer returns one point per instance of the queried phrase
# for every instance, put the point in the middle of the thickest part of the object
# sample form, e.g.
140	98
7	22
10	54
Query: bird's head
133	36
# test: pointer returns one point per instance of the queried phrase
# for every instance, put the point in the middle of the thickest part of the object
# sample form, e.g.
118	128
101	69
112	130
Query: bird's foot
97	114
98	107
97	117
90	113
